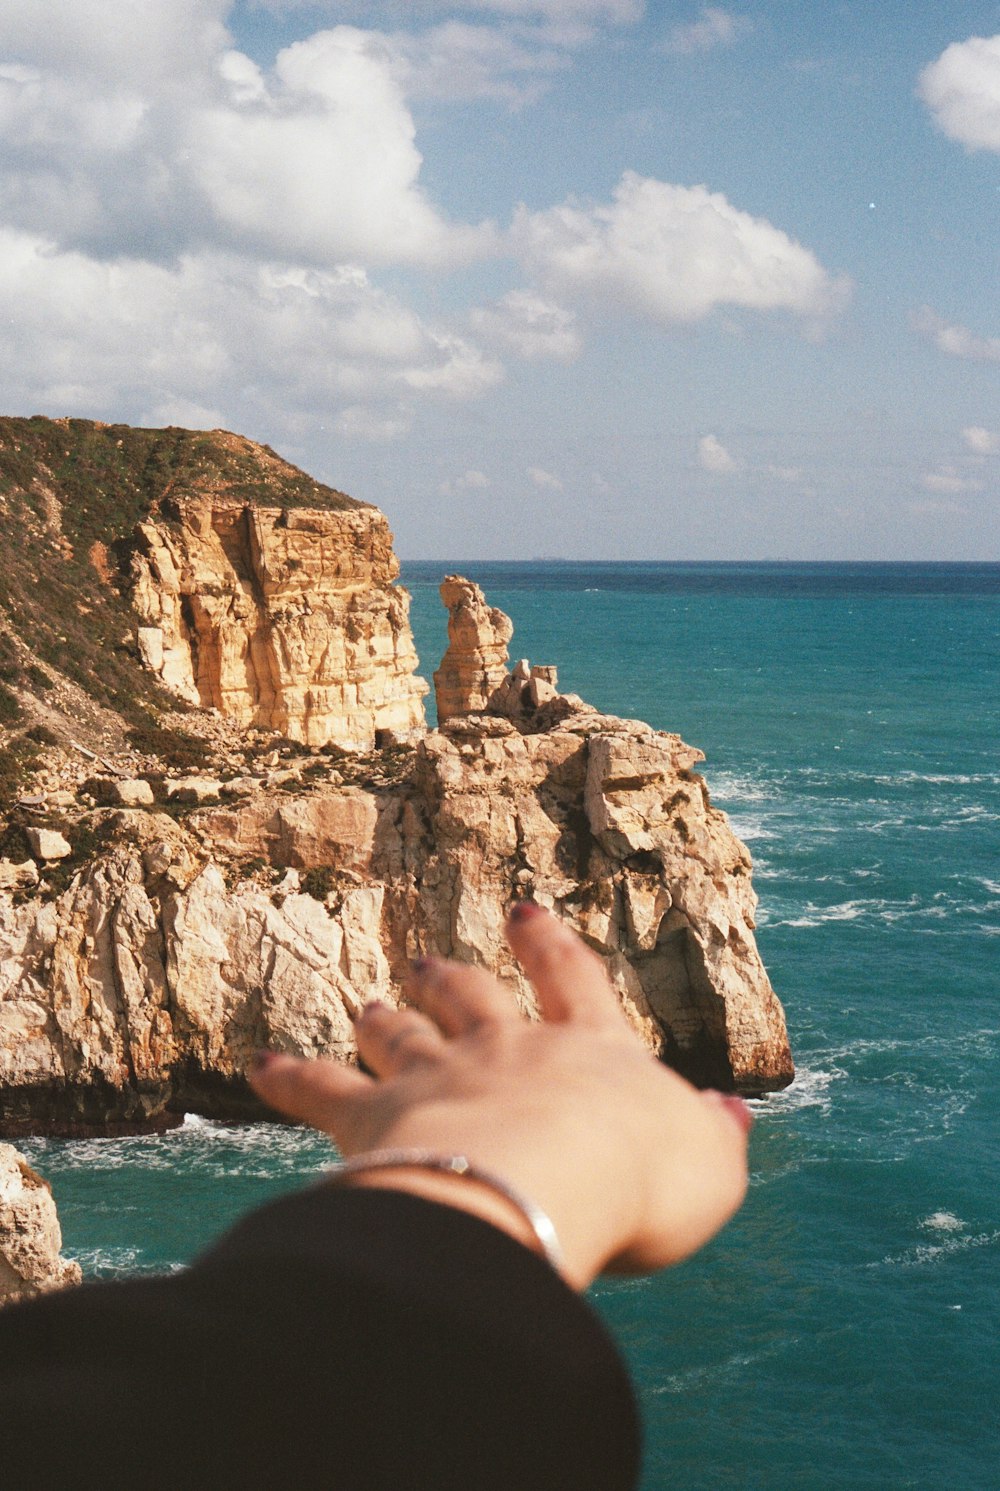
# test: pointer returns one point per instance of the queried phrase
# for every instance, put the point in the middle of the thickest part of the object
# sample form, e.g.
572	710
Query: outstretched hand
636	1168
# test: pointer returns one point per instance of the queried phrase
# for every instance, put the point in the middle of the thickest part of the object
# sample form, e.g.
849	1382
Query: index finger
567	977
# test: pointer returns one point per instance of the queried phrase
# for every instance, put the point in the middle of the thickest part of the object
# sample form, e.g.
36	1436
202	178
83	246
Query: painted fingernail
421	966
260	1061
734	1106
372	1007
523	911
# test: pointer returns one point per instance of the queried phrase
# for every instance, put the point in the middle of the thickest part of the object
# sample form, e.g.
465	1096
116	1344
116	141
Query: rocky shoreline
266	917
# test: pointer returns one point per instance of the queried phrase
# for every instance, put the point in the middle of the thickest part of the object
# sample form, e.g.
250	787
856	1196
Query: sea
844	1330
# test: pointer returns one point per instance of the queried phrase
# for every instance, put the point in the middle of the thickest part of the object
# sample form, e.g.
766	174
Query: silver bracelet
457	1164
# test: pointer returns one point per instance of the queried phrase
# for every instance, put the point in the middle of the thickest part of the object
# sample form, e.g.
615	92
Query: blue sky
592	278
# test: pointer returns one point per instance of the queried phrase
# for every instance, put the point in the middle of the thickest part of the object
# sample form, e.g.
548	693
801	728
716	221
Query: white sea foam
877	909
925	1254
810	1089
199	1146
751	827
116	1263
744	787
942	1221
712	1372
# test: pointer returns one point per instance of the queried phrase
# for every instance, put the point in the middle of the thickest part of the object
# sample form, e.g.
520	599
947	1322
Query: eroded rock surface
30	1235
265	917
284	619
475	664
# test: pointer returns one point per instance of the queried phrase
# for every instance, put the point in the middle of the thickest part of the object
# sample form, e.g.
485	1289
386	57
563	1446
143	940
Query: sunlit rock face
283	619
200	929
475	664
30	1236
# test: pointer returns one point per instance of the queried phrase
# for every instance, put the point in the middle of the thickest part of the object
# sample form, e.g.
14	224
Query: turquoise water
843	1331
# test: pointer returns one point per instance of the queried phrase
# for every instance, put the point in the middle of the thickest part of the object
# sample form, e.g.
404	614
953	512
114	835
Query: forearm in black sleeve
356	1339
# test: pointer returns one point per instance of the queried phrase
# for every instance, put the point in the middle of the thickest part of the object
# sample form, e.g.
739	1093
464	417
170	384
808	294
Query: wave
942	1221
197	1146
751	828
975	1043
117	1263
696	1377
880	910
924	1254
744	786
810	1089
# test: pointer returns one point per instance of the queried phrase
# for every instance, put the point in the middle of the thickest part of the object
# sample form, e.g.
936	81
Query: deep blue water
843	1331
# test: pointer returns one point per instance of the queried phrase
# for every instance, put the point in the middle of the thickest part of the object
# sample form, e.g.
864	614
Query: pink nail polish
523	911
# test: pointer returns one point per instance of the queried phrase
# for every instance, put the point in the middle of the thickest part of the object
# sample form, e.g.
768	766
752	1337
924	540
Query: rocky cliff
31	1261
283	619
161	569
180	884
142	988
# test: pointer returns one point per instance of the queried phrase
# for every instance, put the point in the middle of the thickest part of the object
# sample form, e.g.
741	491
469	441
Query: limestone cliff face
182	947
476	661
284	619
145	987
30	1236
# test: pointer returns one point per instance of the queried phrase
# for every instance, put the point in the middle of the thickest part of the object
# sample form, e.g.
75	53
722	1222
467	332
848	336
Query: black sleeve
352	1339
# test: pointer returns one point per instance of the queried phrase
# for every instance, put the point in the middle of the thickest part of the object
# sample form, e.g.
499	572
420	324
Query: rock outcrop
30	1236
283	619
475	664
142	989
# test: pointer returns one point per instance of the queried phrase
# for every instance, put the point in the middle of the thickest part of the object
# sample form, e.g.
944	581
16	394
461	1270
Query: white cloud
183	413
246	344
671	254
114	39
615	12
460	61
546	481
714	27
469	481
948	479
358	422
931	507
955	339
324	167
714	457
980	441
149	140
962	91
460	369
531	326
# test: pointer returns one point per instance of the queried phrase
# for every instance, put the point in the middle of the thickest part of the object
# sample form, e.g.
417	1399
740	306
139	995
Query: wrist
454	1180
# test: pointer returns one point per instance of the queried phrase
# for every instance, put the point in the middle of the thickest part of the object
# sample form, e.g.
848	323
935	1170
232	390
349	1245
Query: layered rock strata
283	619
143	989
31	1261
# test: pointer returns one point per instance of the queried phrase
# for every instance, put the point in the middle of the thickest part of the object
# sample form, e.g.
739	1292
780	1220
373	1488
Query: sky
540	278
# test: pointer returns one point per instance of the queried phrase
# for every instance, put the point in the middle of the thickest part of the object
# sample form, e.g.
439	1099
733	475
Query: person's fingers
567	977
322	1093
458	997
393	1040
